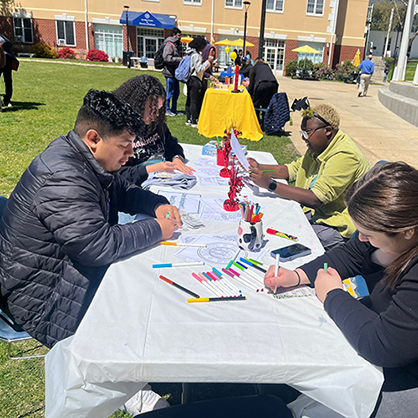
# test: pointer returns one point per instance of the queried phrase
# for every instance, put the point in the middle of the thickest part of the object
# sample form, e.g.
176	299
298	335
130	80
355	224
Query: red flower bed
97	55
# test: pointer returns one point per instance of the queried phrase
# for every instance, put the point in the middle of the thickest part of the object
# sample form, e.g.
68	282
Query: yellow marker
226	298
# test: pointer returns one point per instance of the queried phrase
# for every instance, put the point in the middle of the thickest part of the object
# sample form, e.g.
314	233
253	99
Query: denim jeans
172	88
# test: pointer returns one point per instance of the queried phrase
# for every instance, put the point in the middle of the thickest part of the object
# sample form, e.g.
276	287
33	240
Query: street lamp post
247	5
127	36
262	27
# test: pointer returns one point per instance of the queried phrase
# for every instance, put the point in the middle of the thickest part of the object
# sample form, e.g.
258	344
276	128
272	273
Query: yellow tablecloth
222	109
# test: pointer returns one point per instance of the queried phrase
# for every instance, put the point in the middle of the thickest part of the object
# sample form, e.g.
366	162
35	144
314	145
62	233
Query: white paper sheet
188	202
220	250
239	153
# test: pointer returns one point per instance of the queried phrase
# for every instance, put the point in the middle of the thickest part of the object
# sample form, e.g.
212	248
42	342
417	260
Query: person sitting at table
332	163
194	85
59	231
245	67
156	149
382	327
263	85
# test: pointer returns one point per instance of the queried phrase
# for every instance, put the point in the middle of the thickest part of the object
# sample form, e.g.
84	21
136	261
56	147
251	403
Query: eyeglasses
306	134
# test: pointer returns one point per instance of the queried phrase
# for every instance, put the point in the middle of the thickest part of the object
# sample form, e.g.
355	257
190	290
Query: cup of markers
250	230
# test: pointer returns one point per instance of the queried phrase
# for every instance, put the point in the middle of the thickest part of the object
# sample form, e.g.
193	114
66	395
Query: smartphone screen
291	252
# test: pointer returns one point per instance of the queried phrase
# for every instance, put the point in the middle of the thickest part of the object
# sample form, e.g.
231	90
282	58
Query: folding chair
9	335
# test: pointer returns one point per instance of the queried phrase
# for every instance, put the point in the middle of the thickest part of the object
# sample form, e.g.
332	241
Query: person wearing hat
321	178
59	231
366	69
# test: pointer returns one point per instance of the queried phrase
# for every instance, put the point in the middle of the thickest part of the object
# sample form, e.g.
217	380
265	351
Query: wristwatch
272	186
179	157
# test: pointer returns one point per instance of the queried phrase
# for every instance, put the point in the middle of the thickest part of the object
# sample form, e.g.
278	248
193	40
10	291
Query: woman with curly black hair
156	150
195	89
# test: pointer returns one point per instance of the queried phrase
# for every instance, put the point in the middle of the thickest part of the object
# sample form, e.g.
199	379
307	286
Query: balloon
233	55
227	49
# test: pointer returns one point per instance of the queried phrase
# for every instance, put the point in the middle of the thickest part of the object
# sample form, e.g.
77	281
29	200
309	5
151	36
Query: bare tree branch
395	3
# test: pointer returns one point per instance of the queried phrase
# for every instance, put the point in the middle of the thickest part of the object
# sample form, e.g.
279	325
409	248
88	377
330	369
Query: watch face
272	186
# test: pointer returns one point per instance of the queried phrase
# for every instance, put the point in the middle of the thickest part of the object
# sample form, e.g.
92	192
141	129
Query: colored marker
179	287
195	263
326	267
182	244
202	282
247	260
167	215
228	298
281	234
255	261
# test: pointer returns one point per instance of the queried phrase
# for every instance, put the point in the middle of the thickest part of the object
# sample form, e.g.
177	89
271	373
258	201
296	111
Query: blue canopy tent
149	20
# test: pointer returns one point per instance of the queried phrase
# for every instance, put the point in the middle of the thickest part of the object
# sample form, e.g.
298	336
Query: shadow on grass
17	106
30	414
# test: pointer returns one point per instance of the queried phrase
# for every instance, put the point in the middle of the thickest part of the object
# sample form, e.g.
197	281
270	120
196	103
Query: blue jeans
172	88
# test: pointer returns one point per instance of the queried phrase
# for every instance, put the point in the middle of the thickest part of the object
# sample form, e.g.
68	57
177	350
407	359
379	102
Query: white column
402	60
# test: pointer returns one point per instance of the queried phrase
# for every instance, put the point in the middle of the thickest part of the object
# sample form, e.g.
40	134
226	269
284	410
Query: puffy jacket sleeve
75	210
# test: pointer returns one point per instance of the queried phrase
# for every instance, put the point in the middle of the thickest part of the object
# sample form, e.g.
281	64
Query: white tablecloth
140	329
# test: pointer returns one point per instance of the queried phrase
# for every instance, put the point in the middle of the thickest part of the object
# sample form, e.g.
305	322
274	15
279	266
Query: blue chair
9	335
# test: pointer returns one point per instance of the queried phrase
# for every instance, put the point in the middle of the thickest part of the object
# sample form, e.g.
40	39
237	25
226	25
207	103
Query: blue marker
196	263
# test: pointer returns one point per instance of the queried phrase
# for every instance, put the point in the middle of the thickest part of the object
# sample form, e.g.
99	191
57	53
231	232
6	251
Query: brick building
335	28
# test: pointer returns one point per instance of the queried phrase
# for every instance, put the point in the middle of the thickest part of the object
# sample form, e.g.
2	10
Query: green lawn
47	96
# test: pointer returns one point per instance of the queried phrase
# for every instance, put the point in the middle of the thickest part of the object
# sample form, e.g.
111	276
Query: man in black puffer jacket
59	232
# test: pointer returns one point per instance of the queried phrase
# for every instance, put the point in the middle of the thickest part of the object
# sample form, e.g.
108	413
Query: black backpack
158	58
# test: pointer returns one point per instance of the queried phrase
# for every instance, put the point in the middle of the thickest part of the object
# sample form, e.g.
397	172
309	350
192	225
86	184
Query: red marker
179	287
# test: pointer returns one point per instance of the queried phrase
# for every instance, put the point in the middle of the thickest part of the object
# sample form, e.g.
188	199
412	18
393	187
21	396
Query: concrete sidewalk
379	133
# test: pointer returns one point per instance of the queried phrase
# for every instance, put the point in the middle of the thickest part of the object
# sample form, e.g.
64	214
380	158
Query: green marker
167	215
326	267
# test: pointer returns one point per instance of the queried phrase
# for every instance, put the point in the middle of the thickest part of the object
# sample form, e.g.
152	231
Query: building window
315	58
195	2
236	4
109	38
65	32
315	7
22	25
275	5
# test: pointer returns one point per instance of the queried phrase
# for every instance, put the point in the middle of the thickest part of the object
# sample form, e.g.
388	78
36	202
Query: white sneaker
144	401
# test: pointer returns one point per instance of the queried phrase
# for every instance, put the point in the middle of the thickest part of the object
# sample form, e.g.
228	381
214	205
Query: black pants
262	97
194	99
7	75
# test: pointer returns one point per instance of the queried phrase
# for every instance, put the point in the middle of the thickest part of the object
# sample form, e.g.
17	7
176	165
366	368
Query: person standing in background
386	72
172	56
367	70
263	85
8	62
195	85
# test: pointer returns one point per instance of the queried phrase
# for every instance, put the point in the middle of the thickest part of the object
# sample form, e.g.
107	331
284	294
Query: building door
274	55
148	41
151	46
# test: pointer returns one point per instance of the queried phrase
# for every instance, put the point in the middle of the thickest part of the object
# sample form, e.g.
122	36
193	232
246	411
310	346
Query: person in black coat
59	232
155	149
382	327
263	85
